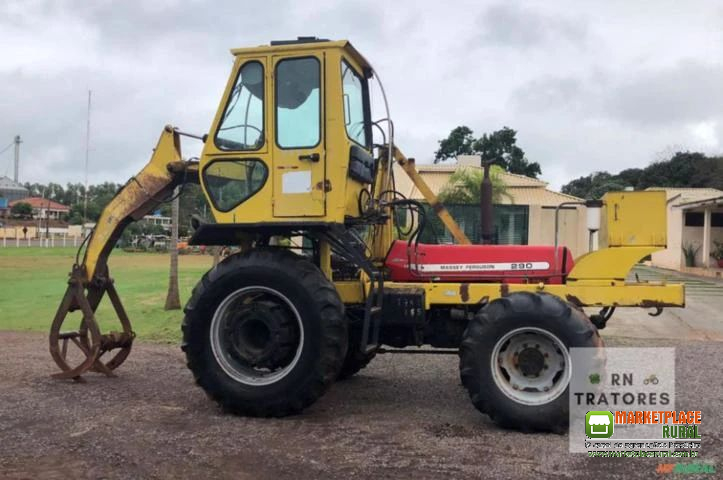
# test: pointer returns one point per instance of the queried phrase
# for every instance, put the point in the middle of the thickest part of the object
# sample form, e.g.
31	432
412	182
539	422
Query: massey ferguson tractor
327	276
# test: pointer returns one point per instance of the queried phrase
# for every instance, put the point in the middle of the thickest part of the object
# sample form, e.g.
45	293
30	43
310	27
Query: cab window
353	93
242	124
298	103
231	182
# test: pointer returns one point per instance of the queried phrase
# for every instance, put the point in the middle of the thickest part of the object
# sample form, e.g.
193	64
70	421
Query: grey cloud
511	25
167	61
686	92
549	93
139	23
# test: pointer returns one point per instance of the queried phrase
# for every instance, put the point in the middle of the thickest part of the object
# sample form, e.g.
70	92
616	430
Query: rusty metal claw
90	345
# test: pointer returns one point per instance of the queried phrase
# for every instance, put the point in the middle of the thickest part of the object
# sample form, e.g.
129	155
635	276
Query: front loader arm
139	196
408	166
89	280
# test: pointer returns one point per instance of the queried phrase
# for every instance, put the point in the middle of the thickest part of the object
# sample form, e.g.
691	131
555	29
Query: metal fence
51	241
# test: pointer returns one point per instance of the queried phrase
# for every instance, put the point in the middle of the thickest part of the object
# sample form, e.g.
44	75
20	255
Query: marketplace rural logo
674	424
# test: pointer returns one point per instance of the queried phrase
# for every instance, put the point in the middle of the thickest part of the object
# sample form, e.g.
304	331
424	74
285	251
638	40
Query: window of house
298	103
231	182
697	219
511	224
242	124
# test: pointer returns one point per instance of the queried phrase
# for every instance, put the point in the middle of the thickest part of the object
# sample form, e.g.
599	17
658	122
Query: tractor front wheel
515	361
265	333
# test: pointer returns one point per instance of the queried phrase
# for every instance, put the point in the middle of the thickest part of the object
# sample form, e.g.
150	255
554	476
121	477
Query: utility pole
87	154
47	218
17	142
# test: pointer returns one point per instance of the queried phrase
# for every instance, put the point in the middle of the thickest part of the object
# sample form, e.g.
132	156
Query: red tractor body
478	263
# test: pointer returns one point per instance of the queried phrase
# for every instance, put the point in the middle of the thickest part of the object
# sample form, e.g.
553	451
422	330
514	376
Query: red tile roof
41	203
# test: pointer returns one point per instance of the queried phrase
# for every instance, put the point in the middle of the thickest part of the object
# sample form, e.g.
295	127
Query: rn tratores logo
625	379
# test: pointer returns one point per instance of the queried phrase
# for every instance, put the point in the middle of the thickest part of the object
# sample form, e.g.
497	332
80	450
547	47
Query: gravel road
405	416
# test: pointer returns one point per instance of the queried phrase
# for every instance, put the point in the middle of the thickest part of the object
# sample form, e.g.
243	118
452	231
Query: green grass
33	281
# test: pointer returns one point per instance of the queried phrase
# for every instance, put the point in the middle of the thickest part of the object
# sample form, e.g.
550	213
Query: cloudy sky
588	85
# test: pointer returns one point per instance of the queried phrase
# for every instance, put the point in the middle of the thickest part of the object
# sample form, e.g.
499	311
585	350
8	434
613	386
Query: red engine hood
478	263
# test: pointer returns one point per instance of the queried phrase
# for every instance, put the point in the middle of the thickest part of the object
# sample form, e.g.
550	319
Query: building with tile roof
695	222
525	215
44	208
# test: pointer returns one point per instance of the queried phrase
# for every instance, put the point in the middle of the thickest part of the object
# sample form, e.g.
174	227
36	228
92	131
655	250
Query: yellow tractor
328	277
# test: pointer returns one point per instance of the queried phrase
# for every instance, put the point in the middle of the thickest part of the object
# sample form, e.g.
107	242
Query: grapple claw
90	344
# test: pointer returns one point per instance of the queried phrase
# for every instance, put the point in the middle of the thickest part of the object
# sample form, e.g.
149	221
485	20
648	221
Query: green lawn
33	281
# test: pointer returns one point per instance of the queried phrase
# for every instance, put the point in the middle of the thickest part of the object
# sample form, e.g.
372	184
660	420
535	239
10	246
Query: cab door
299	162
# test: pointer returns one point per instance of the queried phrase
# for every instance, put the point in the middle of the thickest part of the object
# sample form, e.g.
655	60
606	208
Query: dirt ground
406	416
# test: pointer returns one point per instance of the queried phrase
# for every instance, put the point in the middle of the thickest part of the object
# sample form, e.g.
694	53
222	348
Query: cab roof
302	44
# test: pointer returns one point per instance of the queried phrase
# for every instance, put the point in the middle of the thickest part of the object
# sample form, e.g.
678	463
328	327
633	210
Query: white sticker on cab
296	182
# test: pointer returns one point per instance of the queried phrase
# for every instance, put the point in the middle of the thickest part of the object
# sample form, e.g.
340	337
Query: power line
87	153
7	167
6	148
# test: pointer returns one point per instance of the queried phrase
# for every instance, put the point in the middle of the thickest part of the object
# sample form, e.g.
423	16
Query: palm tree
464	185
173	300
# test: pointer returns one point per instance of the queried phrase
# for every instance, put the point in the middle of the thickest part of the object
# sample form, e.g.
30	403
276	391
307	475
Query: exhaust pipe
487	217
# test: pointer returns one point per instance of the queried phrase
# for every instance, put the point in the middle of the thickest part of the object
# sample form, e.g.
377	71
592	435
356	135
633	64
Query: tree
21	209
683	169
192	201
631	177
499	147
594	186
464	186
459	142
589	186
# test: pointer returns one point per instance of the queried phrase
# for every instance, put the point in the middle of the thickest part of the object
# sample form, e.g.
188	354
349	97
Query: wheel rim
257	335
531	366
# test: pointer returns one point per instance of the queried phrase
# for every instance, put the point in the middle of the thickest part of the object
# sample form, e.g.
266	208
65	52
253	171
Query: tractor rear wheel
515	361
265	333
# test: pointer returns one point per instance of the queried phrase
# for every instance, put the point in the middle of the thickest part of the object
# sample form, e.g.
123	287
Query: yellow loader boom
89	279
140	195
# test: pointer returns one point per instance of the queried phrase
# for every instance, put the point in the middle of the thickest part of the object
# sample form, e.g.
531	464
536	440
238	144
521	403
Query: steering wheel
235	144
240	125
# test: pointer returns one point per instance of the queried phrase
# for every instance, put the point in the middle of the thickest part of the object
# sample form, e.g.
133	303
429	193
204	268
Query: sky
589	86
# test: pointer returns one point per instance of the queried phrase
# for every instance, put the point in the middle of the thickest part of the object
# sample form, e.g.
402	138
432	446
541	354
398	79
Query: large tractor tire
355	360
265	333
515	361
